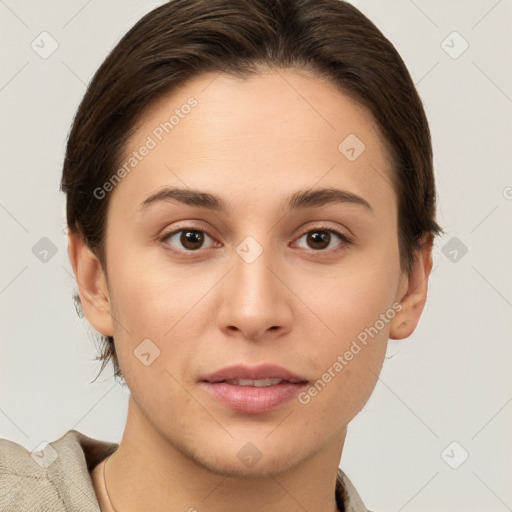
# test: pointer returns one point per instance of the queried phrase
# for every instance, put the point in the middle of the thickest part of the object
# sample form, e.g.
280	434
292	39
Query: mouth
258	383
253	390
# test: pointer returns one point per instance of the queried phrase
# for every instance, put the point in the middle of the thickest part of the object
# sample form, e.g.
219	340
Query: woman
251	212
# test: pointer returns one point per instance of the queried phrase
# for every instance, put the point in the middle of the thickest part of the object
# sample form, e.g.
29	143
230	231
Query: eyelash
344	238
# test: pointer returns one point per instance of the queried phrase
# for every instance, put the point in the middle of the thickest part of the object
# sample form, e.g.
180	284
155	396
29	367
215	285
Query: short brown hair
183	39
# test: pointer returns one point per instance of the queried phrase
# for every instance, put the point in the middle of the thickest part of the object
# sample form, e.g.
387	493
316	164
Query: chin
244	459
265	467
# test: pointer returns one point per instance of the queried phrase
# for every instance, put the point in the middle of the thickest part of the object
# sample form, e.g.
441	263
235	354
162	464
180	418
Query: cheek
348	300
162	304
346	370
355	310
152	346
146	296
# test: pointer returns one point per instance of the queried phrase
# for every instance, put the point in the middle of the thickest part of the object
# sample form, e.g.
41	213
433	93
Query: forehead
253	137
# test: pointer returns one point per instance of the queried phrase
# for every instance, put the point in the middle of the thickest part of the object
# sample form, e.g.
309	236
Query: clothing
57	479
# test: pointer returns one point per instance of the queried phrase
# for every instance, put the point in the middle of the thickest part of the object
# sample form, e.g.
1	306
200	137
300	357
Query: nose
256	303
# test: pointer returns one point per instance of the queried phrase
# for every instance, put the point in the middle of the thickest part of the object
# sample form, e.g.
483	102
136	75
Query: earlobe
414	297
92	284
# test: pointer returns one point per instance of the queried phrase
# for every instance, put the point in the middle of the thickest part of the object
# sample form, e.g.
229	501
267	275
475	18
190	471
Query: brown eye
192	239
186	240
320	239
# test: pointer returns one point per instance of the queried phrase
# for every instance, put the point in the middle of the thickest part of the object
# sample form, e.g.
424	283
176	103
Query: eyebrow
299	200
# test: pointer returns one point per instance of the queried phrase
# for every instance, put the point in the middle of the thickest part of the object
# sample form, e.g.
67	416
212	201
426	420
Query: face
312	287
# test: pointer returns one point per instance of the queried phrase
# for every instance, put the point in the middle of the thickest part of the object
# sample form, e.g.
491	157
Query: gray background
450	381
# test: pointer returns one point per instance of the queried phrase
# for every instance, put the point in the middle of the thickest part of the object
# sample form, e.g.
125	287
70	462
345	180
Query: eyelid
345	239
325	226
176	229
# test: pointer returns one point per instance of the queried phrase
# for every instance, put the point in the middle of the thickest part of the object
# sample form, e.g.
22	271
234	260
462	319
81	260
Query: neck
149	472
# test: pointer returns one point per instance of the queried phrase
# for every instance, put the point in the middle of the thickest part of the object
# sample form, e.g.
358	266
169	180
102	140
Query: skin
253	142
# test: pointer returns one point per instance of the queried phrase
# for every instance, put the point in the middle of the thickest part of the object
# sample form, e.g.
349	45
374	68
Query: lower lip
252	399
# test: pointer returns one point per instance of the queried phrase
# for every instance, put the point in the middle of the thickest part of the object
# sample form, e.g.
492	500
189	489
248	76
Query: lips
265	371
259	383
253	390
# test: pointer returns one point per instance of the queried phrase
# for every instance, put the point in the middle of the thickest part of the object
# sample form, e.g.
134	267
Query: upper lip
263	371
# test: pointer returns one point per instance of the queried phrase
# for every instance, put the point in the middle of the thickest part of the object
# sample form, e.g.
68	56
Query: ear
92	284
412	292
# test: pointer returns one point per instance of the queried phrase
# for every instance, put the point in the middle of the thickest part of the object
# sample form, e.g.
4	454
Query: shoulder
347	495
56	477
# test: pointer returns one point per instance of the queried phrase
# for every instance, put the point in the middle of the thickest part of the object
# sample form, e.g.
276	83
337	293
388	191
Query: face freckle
258	296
